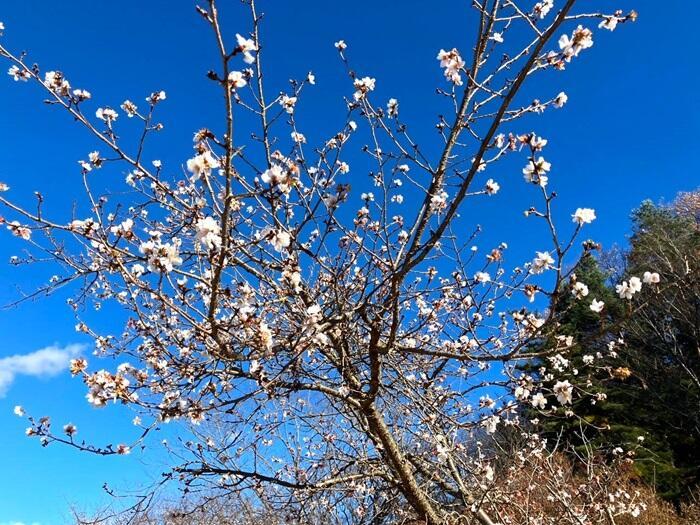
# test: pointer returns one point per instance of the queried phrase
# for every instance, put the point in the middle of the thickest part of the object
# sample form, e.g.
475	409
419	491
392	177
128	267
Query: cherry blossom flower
651	278
538	401
609	23
77	366
82	94
161	256
392	108
276	175
106	114
19	411
521	392
583	216
363	86
561	99
453	64
208	233
563	390
56	82
123	228
627	289
438	201
340	45
20	231
236	79
491	424
247	46
70	429
536	143
297	137
542	8
288	103
536	170
482	277
123	450
492	187
543	261
156	96
280	240
597	306
129	108
18	74
202	164
579	290
580	39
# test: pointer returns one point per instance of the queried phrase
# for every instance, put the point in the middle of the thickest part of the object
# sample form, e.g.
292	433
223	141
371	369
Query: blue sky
627	134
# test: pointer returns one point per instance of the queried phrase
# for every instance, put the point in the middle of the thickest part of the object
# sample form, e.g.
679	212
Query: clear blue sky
627	134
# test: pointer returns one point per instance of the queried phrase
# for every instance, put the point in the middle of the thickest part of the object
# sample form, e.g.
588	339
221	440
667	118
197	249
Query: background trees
649	398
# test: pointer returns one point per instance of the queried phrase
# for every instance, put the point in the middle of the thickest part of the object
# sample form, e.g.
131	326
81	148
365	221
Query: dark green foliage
651	385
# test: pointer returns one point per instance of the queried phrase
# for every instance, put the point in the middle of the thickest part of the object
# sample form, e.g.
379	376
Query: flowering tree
325	352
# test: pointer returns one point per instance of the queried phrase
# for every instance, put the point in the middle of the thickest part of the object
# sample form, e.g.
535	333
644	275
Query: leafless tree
334	344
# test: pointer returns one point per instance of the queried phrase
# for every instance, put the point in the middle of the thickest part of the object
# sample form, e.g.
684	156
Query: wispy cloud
46	362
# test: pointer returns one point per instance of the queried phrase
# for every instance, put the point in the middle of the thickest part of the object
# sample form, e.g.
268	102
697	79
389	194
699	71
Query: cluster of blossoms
580	39
627	289
208	233
363	86
202	164
56	82
453	64
161	256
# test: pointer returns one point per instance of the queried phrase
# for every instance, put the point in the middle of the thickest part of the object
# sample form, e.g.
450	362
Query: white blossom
363	86
106	114
482	277
202	164
609	23
208	232
583	216
561	99
543	261
288	103
18	74
579	290
492	187
538	401
651	278
236	79
247	47
581	38
627	289
453	64
597	306
563	390
542	8
280	240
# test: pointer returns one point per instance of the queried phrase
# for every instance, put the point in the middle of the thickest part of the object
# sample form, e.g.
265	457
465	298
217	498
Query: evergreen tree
644	392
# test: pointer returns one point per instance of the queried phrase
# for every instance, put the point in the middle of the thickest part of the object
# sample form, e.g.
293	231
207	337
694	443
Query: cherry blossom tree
332	347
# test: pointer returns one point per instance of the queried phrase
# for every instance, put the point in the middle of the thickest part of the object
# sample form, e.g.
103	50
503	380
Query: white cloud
46	362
